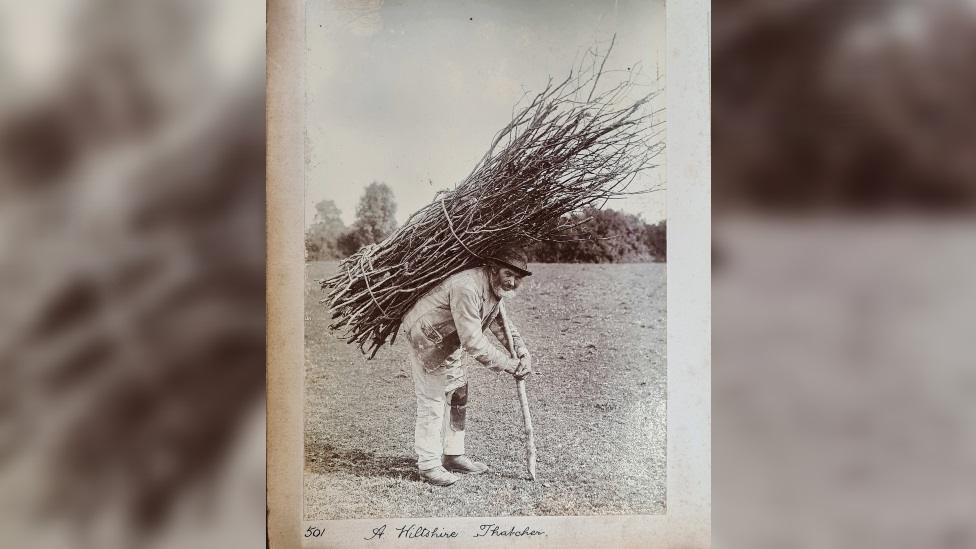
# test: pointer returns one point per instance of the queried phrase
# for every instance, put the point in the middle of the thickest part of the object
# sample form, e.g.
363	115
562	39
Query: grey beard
507	294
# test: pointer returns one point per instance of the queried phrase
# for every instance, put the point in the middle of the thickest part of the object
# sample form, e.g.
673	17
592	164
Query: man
446	323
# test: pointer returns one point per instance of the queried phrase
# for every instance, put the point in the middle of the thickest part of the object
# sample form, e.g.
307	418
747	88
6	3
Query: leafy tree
351	241
656	240
376	213
328	237
375	219
322	237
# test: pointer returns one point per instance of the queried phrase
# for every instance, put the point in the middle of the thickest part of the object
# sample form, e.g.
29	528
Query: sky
411	92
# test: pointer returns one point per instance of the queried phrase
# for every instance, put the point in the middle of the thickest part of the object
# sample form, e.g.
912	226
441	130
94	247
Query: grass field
598	403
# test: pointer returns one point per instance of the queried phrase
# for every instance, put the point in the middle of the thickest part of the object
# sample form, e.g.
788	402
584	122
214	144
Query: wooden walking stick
523	398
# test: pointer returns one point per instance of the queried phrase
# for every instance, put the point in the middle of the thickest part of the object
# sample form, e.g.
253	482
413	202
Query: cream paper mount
402	93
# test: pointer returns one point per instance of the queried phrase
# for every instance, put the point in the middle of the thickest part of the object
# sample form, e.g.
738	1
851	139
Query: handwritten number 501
313	532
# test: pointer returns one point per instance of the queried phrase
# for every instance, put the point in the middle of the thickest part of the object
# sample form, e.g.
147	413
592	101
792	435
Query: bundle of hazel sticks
579	142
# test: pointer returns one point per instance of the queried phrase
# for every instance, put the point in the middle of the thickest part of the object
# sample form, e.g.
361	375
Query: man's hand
524	367
511	366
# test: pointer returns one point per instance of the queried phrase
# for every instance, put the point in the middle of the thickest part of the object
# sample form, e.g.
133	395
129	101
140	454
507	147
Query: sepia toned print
503	344
480	350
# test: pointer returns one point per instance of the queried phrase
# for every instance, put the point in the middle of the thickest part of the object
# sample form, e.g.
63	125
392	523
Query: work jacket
451	319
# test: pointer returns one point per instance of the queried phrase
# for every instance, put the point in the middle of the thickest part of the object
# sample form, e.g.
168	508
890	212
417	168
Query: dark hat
512	258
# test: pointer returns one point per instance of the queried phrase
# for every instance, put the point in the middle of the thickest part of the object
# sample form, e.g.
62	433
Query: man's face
505	282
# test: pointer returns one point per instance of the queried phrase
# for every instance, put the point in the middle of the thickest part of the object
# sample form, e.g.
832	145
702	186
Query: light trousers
434	436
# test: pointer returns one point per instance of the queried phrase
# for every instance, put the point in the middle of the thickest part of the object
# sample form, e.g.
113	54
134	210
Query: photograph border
688	517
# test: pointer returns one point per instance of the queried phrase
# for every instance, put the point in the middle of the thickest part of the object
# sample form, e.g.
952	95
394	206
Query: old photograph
485	312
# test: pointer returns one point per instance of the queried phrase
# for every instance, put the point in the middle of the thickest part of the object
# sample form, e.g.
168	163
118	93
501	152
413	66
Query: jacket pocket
430	332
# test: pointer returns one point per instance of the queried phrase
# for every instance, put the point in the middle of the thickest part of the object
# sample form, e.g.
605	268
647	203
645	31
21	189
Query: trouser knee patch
459	405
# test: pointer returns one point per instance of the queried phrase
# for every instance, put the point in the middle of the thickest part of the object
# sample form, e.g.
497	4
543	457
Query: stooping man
443	326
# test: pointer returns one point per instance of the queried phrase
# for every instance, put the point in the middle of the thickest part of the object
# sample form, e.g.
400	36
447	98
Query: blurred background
844	284
132	273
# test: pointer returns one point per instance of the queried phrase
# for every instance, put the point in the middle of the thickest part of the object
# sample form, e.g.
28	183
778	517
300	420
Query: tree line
599	235
605	236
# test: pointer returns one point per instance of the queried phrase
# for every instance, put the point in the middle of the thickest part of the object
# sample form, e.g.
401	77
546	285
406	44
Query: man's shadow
327	459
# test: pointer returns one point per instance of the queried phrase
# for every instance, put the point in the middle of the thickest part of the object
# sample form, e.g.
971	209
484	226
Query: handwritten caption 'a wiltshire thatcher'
414	531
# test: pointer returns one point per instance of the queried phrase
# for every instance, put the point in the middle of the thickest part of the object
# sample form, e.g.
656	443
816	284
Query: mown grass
598	406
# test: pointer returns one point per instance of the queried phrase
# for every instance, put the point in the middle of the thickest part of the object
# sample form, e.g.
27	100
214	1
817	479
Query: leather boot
438	476
464	464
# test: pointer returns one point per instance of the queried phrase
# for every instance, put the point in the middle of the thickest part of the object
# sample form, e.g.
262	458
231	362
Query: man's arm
497	327
466	310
